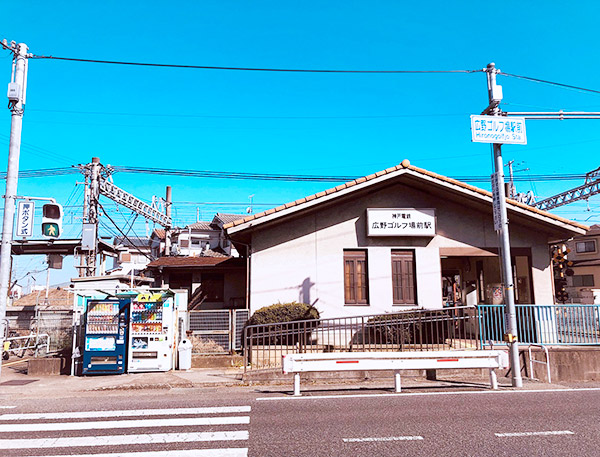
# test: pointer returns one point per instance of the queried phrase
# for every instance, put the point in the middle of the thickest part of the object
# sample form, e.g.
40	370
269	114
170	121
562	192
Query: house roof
132	241
160	233
226	218
191	261
404	168
57	298
201	225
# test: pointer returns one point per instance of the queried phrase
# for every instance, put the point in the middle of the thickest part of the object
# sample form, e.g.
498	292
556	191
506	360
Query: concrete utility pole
168	202
495	97
16	96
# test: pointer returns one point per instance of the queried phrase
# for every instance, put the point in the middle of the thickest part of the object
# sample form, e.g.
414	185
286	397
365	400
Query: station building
401	238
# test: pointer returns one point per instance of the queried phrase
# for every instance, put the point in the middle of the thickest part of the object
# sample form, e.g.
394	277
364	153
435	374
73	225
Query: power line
537	80
285	70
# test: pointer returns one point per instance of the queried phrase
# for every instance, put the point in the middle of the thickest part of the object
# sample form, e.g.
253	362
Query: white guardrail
396	361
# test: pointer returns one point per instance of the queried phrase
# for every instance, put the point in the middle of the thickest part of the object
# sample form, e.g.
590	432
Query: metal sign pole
501	225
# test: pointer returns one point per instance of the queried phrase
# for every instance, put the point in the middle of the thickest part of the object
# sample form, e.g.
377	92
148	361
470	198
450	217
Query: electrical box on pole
52	214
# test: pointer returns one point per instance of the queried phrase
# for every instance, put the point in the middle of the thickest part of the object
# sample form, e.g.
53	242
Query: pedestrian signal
52	220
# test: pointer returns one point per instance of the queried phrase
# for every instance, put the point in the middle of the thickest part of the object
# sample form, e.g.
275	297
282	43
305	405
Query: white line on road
7	407
117	440
426	394
124	413
227	452
134	423
555	432
384	438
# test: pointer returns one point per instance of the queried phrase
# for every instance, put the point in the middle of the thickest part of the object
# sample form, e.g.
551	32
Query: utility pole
16	96
168	203
495	97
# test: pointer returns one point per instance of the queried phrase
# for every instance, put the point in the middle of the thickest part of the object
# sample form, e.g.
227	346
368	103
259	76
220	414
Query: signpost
498	129
25	219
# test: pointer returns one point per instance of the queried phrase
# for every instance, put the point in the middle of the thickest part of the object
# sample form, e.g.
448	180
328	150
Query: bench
395	361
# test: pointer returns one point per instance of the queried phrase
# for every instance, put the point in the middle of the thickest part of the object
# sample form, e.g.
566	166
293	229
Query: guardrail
411	330
394	361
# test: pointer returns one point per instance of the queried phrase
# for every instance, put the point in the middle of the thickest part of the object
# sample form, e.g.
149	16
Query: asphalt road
230	422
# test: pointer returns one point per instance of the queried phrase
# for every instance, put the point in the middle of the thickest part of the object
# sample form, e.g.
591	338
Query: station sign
498	129
400	222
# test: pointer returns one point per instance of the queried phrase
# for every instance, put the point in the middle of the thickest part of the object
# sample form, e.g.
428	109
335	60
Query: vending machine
152	336
105	336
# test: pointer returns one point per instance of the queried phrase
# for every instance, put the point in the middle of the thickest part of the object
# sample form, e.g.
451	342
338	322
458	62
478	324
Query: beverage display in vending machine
151	336
105	338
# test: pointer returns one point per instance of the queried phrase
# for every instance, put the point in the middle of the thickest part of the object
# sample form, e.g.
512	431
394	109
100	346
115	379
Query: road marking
556	432
116	440
427	394
124	413
7	407
226	452
133	423
385	438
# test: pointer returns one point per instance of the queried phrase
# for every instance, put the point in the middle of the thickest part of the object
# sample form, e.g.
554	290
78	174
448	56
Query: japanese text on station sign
498	129
400	222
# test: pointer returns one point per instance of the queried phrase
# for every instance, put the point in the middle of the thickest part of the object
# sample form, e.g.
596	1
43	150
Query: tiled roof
160	233
201	225
404	165
177	261
132	241
227	218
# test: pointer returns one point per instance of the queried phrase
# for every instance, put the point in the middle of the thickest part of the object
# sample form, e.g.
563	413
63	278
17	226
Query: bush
278	323
284	312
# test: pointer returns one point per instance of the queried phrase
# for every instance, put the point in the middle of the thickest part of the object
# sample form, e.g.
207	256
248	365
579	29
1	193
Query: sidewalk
14	379
15	382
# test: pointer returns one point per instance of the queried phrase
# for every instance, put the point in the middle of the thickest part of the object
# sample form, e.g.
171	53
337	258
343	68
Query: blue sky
293	123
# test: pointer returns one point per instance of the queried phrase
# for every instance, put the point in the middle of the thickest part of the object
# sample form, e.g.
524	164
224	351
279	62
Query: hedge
284	312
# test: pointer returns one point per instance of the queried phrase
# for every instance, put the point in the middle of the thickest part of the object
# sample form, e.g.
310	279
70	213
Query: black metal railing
414	330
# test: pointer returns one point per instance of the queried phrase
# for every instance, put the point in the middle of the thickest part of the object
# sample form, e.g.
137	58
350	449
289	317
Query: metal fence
57	323
414	330
572	324
217	331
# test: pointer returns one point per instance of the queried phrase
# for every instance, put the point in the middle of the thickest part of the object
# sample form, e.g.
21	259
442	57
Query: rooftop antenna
249	209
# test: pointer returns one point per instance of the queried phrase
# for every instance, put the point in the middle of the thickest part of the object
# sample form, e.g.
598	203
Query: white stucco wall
301	259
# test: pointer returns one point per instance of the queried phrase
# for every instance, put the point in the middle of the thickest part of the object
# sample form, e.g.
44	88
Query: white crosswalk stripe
50	435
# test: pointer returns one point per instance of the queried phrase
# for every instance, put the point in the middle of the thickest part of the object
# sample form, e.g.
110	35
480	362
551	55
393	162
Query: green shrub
284	312
280	324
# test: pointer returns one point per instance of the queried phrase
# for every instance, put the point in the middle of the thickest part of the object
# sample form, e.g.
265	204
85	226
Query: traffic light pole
503	235
19	78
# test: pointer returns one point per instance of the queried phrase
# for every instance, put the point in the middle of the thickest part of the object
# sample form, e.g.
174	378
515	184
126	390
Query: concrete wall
301	259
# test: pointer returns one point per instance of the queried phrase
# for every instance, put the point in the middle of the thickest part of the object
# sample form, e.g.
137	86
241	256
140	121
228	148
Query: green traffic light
50	229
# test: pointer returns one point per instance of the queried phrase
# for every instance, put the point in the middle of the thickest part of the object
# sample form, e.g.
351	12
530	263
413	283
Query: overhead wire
553	83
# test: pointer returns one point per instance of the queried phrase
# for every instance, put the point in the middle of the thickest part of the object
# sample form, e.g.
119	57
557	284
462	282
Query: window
213	287
356	278
403	277
586	246
583	281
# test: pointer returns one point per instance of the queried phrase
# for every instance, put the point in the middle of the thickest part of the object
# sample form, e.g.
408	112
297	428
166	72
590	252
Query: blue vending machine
106	336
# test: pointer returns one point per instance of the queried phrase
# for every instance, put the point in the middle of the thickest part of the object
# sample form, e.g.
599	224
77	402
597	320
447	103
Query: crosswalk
172	432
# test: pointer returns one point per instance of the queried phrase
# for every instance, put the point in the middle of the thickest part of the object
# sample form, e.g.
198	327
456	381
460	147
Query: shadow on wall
304	293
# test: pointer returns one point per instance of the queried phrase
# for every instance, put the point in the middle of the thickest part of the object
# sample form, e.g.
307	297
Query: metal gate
217	331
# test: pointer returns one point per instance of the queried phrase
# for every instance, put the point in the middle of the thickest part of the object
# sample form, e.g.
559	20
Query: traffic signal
52	220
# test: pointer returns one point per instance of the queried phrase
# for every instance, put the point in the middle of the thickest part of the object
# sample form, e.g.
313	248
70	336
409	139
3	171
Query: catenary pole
19	81
495	96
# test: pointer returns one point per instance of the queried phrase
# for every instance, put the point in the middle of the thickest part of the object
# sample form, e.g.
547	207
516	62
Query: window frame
585	243
580	278
356	294
404	280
